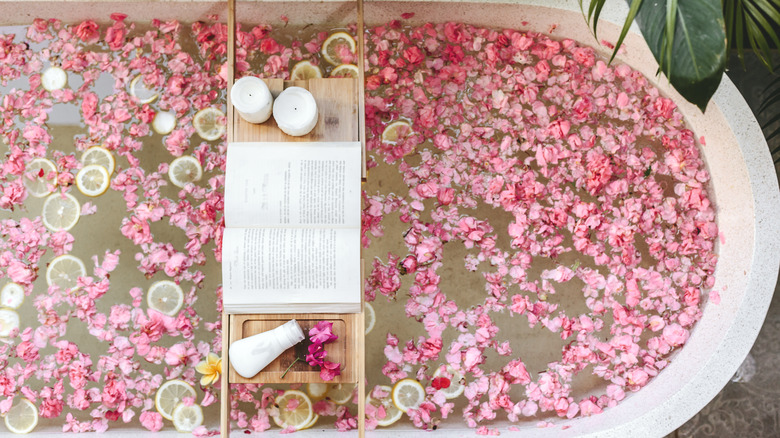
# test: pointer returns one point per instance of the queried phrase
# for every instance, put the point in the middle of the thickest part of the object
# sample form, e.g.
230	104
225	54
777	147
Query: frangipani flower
210	368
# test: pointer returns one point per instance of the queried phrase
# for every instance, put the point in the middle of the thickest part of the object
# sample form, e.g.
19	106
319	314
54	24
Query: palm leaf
757	19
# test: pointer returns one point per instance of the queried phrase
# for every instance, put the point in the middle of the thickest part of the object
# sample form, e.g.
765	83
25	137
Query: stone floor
750	408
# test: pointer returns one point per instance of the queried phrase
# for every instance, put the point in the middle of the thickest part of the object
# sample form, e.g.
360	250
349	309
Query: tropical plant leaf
695	59
594	12
632	11
758	19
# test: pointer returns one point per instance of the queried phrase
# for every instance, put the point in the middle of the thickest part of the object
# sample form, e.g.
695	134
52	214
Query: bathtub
743	186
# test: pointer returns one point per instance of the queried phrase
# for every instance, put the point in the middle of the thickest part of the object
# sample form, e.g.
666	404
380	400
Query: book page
293	184
263	266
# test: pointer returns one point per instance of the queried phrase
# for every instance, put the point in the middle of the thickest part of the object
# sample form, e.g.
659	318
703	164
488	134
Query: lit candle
251	97
295	111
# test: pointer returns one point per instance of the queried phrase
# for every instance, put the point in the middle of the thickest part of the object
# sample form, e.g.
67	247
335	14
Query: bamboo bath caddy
339	102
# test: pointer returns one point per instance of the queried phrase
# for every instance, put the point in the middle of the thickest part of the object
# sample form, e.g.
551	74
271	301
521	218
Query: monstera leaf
687	38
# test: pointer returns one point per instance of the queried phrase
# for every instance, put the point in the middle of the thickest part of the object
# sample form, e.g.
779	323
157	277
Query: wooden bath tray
341	117
342	351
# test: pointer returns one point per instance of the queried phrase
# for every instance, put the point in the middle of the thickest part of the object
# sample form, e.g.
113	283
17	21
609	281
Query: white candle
251	97
295	111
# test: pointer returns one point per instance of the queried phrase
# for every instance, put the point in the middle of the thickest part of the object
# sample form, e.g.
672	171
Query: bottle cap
292	333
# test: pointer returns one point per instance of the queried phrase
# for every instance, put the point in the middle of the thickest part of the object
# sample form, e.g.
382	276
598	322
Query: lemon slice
408	394
140	91
22	417
39	174
341	393
165	297
335	43
170	394
370	317
12	295
395	131
317	391
187	418
311	423
61	212
54	78
392	413
9	320
64	271
100	156
297	416
456	388
209	123
305	70
164	122
184	170
345	71
93	180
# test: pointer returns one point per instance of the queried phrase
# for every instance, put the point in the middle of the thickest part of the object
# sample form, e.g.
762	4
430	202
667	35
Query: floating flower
211	368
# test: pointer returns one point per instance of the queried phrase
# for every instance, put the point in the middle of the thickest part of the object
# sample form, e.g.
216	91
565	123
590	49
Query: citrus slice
297	414
164	122
370	317
170	394
9	320
345	71
93	180
64	271
209	123
395	131
22	417
140	91
165	297
12	295
392	413
54	78
456	388
184	170
334	48
61	212
317	391
408	394
100	156
305	70
341	393
187	418
311	423
39	174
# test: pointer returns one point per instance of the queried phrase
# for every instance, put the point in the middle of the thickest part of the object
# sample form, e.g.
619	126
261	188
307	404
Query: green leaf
635	4
698	47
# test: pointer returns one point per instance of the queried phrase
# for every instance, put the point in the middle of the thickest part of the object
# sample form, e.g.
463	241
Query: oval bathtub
743	186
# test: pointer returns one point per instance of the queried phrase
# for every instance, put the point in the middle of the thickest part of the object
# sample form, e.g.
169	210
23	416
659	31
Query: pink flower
329	370
27	351
88	31
675	335
413	55
322	333
151	420
113	391
20	273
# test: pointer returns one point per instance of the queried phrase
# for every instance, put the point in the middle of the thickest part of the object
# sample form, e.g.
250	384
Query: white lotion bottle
252	98
250	355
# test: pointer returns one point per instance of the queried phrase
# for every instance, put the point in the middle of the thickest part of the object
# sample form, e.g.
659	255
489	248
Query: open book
292	228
